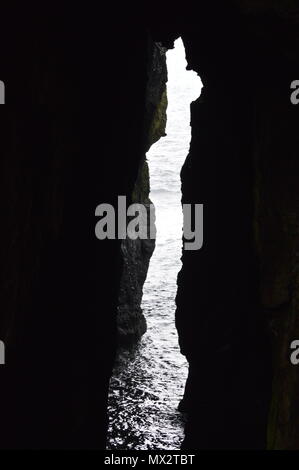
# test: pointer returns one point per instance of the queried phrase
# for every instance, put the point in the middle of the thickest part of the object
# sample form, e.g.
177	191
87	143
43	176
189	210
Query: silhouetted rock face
72	137
237	302
276	232
131	322
136	254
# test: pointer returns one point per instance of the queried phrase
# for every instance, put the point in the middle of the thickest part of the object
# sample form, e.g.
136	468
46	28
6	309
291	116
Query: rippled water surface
149	380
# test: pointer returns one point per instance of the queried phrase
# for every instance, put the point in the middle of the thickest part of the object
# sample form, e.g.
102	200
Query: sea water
148	381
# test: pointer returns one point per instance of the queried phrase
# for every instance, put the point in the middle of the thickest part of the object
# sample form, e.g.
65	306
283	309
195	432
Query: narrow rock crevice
85	99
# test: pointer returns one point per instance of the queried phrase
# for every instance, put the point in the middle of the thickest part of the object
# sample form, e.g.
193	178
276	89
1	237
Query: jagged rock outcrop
136	254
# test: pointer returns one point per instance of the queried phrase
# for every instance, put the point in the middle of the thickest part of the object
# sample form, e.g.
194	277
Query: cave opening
75	138
149	379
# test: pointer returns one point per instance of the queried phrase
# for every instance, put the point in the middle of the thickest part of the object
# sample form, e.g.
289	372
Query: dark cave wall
276	218
220	329
236	303
65	129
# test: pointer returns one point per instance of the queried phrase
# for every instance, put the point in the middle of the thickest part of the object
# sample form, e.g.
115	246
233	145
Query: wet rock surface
136	254
131	322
